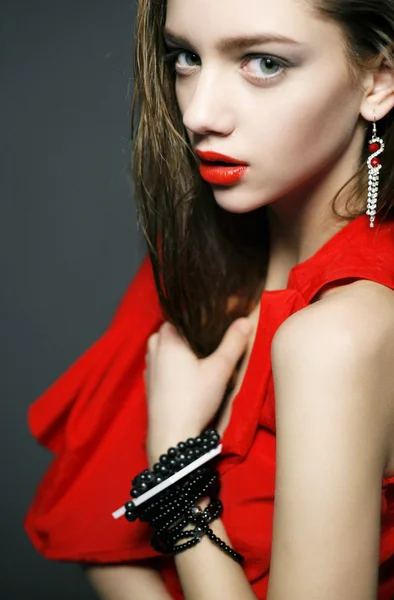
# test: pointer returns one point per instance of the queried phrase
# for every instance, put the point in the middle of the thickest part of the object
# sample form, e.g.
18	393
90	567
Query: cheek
310	125
183	94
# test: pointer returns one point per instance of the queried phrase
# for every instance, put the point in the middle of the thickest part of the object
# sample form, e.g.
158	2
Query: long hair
209	264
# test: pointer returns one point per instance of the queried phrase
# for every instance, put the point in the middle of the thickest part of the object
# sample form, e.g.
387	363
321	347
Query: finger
170	335
167	329
232	346
152	342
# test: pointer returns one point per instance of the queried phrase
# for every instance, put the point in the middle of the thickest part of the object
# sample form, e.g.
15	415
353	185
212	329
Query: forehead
210	20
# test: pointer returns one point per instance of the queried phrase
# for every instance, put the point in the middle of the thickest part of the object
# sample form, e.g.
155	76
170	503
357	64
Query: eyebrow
233	43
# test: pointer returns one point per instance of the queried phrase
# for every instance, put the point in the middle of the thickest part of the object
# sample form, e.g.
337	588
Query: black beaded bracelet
171	510
202	485
166	541
167	544
176	459
178	497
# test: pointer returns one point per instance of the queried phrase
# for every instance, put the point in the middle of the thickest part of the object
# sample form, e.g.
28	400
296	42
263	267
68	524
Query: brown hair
202	256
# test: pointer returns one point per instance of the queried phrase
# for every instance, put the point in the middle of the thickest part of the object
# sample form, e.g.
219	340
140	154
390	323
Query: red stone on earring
374	147
375	162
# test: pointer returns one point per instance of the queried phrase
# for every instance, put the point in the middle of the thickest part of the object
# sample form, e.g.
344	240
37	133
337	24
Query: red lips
219	169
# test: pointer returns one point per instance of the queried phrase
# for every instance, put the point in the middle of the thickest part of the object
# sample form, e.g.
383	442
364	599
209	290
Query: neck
301	223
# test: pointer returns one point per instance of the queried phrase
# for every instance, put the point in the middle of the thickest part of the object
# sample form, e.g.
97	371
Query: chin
237	200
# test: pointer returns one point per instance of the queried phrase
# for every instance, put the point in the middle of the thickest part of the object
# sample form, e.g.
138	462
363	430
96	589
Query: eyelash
171	57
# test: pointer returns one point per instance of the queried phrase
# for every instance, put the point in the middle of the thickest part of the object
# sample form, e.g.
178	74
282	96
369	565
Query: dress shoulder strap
355	252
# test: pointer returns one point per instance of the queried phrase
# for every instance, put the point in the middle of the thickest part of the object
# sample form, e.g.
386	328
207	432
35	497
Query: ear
379	91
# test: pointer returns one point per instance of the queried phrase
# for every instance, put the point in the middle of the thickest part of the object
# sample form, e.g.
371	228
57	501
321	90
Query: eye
181	60
186	59
264	67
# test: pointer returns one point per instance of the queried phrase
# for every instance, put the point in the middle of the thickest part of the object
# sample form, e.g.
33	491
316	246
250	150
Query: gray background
68	234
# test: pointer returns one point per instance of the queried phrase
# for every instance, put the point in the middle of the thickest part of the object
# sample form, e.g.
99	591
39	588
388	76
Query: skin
301	130
302	139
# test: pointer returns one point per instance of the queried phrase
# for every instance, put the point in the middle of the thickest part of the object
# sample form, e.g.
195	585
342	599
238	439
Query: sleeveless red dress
93	418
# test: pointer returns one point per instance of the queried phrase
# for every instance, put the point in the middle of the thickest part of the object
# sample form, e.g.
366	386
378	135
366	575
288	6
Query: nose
206	103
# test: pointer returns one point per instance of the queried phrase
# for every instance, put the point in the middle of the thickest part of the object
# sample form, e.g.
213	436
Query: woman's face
268	83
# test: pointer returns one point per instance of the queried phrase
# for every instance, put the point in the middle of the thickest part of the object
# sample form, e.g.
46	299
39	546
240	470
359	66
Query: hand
184	392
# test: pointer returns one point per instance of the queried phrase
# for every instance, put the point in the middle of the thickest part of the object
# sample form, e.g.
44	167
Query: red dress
93	418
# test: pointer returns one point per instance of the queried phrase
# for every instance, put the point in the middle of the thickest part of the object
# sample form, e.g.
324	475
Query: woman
252	117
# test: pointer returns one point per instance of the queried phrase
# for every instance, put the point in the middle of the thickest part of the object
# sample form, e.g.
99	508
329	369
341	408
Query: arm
207	573
333	376
126	582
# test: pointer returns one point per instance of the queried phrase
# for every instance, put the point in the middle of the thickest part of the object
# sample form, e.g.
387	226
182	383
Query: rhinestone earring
376	147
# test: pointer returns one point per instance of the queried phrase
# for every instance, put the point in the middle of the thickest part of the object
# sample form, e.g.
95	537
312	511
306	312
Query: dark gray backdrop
68	234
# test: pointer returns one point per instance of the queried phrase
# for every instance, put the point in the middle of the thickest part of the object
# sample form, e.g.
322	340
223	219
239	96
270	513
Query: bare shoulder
362	311
361	292
349	333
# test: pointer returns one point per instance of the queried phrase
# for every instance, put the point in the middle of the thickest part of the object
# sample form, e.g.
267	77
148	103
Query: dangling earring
376	146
